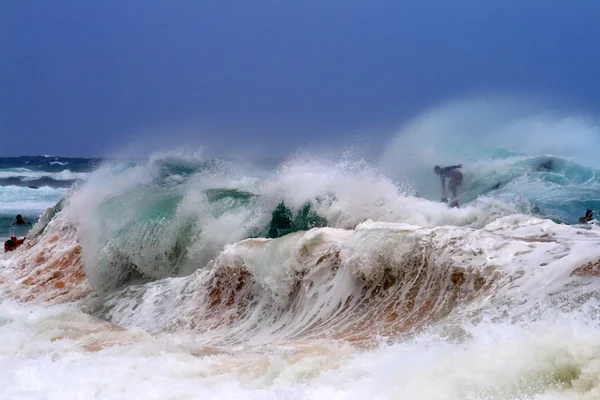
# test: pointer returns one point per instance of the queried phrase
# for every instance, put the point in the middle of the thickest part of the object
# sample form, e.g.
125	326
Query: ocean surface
31	184
184	277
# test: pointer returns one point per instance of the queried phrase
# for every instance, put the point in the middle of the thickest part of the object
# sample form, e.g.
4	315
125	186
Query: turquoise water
554	187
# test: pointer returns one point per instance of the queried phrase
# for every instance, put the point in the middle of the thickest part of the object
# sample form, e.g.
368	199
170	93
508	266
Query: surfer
456	178
589	216
12	244
20	221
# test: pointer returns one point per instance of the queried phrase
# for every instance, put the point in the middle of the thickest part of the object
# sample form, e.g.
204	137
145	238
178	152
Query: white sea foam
57	352
525	260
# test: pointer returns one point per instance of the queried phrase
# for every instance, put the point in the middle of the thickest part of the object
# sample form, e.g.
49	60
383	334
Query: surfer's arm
450	168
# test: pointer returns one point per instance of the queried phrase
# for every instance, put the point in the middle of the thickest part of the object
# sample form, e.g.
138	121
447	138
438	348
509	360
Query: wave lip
379	279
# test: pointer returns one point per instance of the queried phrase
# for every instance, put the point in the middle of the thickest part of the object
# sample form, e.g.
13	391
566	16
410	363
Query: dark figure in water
20	221
456	178
12	244
588	217
547	165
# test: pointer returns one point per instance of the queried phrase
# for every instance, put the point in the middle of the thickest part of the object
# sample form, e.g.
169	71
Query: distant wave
36	183
50	163
30	184
26	173
27	201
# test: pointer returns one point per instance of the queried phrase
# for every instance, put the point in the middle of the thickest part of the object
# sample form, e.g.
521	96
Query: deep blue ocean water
31	184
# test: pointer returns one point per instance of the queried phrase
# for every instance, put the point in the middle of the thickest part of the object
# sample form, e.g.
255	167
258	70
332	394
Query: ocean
184	277
29	185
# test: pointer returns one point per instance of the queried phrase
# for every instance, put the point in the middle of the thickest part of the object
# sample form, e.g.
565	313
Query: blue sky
89	77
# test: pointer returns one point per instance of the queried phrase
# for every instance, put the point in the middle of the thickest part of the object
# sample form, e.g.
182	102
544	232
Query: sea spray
307	278
139	219
515	149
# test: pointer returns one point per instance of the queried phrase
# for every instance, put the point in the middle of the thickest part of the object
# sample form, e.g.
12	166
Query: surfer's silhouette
20	221
456	178
589	216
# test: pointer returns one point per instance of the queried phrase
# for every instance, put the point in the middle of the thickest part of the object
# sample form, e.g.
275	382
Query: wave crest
377	280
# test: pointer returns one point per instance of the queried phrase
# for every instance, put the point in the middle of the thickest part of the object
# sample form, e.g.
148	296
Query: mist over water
512	148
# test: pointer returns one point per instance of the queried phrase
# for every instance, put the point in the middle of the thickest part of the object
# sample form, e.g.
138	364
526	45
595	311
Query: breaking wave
305	273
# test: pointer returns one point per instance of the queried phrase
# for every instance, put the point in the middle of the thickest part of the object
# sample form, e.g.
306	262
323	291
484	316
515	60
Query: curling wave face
169	216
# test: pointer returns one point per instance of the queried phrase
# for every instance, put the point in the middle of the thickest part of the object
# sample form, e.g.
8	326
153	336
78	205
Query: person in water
456	178
12	244
546	165
20	221
589	215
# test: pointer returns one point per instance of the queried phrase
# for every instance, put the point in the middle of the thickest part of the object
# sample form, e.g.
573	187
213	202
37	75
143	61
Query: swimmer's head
9	245
437	169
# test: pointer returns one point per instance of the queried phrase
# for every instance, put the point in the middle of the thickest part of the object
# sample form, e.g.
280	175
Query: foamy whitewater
186	277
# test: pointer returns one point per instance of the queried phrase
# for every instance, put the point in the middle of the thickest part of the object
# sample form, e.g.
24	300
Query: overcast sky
89	77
